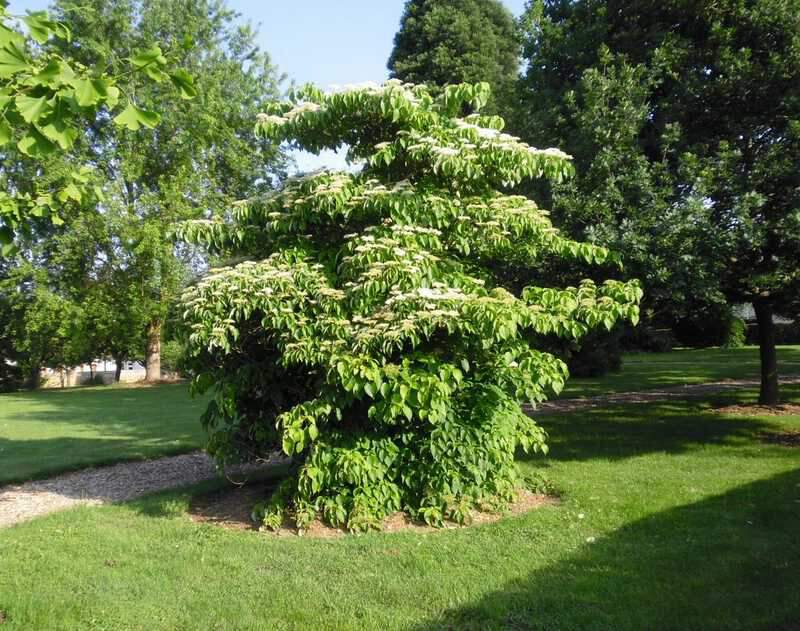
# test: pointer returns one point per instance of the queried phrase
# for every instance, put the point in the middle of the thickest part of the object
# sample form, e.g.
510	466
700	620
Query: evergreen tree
444	42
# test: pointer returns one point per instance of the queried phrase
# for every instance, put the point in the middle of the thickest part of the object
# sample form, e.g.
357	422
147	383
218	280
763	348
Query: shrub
649	339
598	354
369	337
785	333
736	334
172	356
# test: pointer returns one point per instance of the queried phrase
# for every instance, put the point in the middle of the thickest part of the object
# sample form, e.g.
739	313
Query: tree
203	154
46	100
370	338
721	94
44	327
445	42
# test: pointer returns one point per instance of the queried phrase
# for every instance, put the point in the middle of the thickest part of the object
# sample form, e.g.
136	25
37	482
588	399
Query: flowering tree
368	336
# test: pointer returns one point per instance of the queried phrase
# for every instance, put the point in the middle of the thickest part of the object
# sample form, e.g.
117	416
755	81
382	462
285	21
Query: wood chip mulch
761	410
231	508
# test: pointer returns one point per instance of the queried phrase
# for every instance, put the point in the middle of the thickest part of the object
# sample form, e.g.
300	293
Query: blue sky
322	41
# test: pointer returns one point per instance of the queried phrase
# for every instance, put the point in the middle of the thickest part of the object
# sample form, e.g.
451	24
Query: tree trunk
118	370
34	379
153	360
769	357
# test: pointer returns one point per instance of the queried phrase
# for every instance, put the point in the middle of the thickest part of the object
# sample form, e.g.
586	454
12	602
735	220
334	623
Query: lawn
45	432
672	516
644	371
48	431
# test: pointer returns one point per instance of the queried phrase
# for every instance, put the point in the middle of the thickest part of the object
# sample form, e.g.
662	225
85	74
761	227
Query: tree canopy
708	115
203	155
48	99
445	42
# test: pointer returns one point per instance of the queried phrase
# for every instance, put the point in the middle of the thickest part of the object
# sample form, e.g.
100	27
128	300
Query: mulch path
231	508
116	483
690	391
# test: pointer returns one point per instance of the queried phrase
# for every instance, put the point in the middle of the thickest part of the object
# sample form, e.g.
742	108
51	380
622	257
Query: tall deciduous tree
203	154
46	100
721	85
443	42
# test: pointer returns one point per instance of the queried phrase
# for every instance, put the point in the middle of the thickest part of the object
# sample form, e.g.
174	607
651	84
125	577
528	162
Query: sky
320	41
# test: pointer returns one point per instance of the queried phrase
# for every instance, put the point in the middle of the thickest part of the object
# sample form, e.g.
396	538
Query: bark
34	379
118	370
769	357
153	360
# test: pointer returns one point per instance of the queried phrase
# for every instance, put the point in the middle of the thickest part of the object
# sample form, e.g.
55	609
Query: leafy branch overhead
368	336
46	99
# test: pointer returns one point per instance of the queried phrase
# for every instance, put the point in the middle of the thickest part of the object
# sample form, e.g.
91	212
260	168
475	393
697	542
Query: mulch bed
231	508
787	409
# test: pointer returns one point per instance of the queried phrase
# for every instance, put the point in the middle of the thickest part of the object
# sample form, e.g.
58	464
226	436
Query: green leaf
151	56
12	60
6	133
10	36
35	145
112	96
70	191
57	128
185	83
54	74
90	92
32	109
39	25
134	118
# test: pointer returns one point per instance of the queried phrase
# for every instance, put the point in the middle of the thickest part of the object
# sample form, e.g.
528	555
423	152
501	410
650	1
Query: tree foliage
368	336
705	182
203	154
46	101
447	42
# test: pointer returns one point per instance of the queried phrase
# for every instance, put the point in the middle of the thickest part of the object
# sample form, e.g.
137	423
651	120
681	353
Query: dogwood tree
367	334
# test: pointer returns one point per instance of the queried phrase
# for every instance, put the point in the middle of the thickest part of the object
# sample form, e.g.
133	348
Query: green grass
48	431
644	371
694	523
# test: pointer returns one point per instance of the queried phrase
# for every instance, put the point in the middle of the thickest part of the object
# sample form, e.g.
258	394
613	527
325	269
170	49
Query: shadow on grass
218	500
625	431
728	562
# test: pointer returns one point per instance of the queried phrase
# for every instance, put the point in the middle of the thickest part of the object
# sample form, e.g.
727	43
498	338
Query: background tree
370	337
719	86
46	99
445	42
203	154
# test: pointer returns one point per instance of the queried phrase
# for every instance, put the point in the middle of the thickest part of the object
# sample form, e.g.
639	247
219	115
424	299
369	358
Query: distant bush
648	339
598	354
785	333
173	356
736	335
